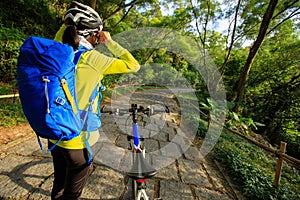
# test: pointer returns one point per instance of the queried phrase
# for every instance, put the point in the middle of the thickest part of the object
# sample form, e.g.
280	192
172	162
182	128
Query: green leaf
235	116
205	106
259	124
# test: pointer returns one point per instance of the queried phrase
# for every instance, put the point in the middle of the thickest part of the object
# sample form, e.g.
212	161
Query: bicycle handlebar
134	109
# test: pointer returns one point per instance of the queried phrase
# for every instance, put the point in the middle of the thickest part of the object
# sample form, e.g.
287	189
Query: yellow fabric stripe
79	142
59	34
68	94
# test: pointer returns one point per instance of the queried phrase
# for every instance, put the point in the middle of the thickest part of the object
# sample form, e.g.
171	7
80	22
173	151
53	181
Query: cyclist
83	27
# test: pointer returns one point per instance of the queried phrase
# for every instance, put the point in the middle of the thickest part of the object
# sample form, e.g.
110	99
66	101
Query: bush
11	112
10	41
6	89
253	170
33	17
292	139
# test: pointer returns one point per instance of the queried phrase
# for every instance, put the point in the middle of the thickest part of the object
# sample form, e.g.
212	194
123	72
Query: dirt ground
8	134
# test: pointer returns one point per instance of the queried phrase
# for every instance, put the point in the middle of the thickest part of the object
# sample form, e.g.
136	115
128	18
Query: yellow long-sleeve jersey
91	68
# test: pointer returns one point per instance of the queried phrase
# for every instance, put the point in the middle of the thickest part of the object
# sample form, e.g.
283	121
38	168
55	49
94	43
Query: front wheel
139	190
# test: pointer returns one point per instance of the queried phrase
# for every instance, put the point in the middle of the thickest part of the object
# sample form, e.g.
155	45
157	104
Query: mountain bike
140	170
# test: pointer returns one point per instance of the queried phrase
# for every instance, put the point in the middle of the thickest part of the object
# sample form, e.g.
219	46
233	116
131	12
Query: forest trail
26	172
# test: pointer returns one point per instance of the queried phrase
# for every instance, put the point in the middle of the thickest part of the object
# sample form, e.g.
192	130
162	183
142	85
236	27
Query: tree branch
121	7
232	38
197	24
205	24
124	16
283	10
285	19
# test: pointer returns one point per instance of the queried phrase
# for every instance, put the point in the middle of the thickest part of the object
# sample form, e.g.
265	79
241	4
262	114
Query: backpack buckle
60	100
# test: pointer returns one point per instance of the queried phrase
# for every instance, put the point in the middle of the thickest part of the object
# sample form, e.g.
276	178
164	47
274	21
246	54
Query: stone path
26	172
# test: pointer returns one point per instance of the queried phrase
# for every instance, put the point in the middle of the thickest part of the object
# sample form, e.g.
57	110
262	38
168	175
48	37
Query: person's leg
60	169
77	173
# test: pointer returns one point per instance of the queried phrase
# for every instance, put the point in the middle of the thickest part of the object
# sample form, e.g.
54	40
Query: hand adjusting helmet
86	19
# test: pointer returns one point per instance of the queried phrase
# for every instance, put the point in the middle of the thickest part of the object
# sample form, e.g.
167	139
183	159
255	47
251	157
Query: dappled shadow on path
26	178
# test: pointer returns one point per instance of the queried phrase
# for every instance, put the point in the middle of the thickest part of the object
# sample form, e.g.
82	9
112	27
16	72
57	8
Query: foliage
34	17
10	109
11	114
10	41
253	170
273	89
249	166
6	89
233	68
292	139
233	120
242	124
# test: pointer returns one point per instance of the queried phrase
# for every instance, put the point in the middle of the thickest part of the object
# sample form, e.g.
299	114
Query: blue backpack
46	83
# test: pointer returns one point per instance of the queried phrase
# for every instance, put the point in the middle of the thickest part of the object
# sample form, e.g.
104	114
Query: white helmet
86	19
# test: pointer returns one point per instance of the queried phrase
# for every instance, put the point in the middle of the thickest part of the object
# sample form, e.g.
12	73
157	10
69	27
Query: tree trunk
91	3
254	49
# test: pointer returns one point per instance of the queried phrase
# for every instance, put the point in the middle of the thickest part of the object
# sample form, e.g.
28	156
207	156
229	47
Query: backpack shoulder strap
97	92
78	54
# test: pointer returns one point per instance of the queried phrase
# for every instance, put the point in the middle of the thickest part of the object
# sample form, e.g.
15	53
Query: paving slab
191	172
105	184
170	190
204	193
